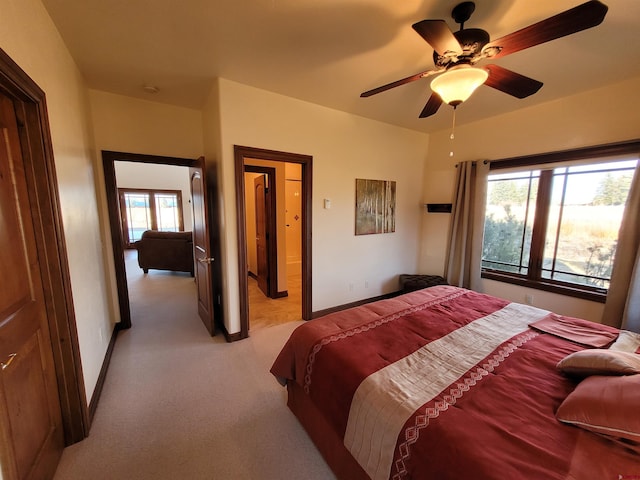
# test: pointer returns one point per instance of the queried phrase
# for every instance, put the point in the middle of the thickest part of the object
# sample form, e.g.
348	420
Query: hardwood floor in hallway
267	312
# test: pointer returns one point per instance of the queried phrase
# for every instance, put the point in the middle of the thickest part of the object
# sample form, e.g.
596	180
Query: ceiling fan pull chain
453	128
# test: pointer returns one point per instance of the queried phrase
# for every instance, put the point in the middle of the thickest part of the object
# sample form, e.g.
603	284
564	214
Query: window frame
124	222
533	279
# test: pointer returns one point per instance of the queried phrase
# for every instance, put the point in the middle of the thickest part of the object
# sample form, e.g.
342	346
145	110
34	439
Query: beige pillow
627	342
607	405
596	361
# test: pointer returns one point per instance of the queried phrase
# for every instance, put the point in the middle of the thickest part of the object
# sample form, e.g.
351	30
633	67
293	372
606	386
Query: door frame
306	162
35	139
108	164
271	226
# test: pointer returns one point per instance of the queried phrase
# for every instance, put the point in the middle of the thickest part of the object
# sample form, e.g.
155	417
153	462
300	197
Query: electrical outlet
366	284
351	287
528	298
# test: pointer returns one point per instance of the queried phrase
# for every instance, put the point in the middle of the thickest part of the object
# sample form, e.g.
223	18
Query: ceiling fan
456	54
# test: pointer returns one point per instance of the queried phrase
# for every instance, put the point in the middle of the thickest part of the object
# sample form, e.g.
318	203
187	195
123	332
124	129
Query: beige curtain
464	253
622	308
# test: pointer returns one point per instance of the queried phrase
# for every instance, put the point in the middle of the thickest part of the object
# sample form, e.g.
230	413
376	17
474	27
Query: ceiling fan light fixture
457	84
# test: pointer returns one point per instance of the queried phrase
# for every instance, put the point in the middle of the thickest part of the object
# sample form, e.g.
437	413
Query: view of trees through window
572	237
150	210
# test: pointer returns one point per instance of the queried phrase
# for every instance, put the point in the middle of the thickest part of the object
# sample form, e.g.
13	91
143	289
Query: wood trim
35	137
306	161
546	285
596	151
346	306
241	221
117	242
281	294
533	278
108	164
97	391
539	233
230	337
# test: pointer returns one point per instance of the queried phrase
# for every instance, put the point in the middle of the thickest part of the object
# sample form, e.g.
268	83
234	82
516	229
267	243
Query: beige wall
131	125
29	37
602	116
344	147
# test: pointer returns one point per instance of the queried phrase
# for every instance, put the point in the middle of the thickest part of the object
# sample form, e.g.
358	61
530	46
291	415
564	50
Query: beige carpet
178	404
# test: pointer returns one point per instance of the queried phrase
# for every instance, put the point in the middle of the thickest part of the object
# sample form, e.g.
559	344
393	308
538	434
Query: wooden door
31	436
262	250
202	246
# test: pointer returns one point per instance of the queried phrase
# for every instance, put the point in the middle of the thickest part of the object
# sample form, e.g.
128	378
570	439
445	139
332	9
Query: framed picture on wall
375	206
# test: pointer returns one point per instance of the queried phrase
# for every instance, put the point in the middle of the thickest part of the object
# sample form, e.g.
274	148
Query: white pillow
627	342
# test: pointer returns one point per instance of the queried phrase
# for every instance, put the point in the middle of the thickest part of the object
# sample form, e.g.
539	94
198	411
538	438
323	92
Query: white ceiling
329	51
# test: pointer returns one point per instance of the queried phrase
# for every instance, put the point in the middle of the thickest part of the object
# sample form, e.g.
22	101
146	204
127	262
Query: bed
448	383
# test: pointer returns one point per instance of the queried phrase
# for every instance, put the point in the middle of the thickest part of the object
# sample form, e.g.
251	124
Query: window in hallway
149	210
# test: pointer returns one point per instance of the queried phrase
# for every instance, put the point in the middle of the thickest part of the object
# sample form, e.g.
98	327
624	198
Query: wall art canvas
375	206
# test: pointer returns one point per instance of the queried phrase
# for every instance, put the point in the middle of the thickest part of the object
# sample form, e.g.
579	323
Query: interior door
202	245
262	255
31	435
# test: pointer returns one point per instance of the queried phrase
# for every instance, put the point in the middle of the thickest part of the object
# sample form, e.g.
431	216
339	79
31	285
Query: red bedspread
447	383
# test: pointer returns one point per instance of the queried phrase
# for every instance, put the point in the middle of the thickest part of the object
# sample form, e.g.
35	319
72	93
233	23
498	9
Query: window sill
559	288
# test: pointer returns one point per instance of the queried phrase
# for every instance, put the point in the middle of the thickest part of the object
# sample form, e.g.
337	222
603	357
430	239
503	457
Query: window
149	210
556	226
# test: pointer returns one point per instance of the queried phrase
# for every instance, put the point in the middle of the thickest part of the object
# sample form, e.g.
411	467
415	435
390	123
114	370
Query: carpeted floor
178	404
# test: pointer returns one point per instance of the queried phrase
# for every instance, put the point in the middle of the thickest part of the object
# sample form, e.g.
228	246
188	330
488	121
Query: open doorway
247	158
118	234
274	241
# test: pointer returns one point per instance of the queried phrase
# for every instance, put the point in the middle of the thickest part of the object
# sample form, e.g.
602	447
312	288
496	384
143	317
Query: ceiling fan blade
432	106
438	34
574	20
511	82
397	83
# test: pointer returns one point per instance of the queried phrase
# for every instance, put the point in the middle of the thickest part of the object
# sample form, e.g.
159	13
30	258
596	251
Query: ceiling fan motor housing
471	40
